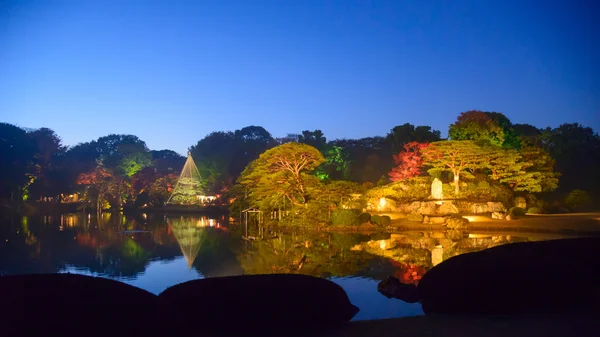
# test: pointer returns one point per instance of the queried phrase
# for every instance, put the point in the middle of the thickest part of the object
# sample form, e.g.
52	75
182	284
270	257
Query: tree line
119	170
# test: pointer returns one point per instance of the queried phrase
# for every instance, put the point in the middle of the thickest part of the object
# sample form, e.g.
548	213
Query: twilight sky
170	72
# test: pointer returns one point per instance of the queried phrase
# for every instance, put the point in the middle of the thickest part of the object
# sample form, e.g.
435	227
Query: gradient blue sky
172	71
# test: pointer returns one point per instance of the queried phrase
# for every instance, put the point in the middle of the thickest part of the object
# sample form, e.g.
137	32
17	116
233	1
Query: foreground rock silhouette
520	278
78	305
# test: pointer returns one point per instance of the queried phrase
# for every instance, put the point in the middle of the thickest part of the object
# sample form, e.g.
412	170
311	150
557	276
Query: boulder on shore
526	277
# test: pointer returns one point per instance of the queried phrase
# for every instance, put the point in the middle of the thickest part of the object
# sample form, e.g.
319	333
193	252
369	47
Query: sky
173	71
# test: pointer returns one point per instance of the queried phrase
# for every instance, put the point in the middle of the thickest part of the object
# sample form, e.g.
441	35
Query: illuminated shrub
577	199
364	217
516	211
385	220
376	219
534	210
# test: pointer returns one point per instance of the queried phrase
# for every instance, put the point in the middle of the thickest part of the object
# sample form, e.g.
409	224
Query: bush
364	217
534	210
385	220
345	217
415	217
376	219
577	199
516	211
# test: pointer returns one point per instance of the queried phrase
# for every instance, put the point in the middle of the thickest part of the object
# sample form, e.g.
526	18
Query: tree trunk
456	183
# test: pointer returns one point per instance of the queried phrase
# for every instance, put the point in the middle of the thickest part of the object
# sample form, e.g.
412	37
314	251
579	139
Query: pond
154	252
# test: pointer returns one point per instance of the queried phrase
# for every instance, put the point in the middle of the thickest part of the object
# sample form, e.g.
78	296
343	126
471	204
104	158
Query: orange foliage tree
409	162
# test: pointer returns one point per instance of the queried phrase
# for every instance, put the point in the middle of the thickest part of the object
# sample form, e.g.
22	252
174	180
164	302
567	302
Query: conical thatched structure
189	188
189	237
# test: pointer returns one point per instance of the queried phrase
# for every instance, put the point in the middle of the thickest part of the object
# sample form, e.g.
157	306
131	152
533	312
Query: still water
154	252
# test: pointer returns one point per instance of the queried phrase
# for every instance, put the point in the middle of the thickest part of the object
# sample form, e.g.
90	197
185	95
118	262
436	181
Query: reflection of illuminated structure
189	189
188	233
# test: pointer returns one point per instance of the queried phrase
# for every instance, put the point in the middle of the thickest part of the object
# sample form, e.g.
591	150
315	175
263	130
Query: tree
477	125
97	183
114	149
576	150
282	171
528	135
167	161
454	156
409	161
47	164
214	156
406	133
315	139
368	158
17	151
336	164
134	162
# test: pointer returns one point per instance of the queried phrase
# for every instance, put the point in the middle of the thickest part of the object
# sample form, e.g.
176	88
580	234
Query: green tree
406	133
457	157
478	125
336	164
17	151
529	169
315	139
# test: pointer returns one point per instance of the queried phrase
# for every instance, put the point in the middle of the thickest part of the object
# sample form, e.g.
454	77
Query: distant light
382	202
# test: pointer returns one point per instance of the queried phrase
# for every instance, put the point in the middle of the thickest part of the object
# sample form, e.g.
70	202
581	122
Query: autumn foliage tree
409	161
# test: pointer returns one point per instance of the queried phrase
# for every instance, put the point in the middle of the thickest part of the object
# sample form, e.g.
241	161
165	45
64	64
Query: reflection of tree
312	253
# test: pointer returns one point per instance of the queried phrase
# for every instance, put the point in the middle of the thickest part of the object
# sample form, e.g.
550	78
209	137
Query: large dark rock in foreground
527	277
261	304
75	305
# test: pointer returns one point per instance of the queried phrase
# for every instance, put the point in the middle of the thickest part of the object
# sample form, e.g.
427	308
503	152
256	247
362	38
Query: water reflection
154	251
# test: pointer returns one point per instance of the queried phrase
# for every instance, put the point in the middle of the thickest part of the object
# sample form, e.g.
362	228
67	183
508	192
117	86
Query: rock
424	208
425	219
437	220
427	243
415	217
498	215
391	287
508	217
457	223
437	235
447	208
521	202
456	235
495	207
314	301
479	208
526	277
436	189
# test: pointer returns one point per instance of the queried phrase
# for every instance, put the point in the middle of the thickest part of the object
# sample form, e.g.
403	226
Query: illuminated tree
99	180
133	162
457	157
282	171
335	166
409	161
